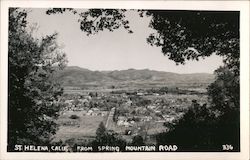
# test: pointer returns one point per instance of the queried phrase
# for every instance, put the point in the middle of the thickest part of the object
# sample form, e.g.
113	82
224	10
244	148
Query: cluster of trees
182	36
197	130
106	137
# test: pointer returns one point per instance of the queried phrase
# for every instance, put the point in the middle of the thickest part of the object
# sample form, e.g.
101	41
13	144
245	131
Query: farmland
80	129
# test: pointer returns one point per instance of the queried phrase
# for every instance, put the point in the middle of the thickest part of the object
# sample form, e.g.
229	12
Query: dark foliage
32	93
191	35
201	130
74	116
107	138
186	35
224	94
137	141
193	132
94	20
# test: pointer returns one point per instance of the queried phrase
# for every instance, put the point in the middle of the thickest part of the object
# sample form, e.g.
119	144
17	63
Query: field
81	128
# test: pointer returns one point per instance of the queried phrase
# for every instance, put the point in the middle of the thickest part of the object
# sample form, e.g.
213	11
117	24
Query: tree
191	35
93	21
100	132
107	138
186	35
193	132
224	94
32	91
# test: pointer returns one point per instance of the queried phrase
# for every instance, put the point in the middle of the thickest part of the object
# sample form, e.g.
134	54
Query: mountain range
76	76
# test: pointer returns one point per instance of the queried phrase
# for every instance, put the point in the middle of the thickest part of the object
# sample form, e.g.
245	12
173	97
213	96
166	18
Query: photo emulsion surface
121	80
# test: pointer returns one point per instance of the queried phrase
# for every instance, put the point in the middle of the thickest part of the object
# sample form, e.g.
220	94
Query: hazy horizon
137	69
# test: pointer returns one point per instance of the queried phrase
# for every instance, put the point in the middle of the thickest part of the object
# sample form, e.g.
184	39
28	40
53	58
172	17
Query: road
110	122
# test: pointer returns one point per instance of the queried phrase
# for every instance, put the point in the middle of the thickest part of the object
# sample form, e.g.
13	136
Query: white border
242	6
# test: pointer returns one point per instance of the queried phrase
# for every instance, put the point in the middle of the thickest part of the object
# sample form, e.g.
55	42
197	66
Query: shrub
74	117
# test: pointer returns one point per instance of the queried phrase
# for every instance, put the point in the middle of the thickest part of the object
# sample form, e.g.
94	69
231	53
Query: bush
74	117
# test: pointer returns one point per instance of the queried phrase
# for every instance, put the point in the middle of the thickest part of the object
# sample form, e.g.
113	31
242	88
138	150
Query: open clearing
84	126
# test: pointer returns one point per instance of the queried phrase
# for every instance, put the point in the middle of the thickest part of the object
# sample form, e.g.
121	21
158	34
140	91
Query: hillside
76	76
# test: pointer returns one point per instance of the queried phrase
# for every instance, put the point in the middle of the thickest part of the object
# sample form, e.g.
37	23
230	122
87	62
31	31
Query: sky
116	50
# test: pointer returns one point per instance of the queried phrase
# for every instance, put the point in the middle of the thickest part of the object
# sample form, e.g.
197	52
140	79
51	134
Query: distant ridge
75	76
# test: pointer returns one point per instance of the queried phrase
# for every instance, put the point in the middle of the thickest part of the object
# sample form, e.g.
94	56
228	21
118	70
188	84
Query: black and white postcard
124	80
